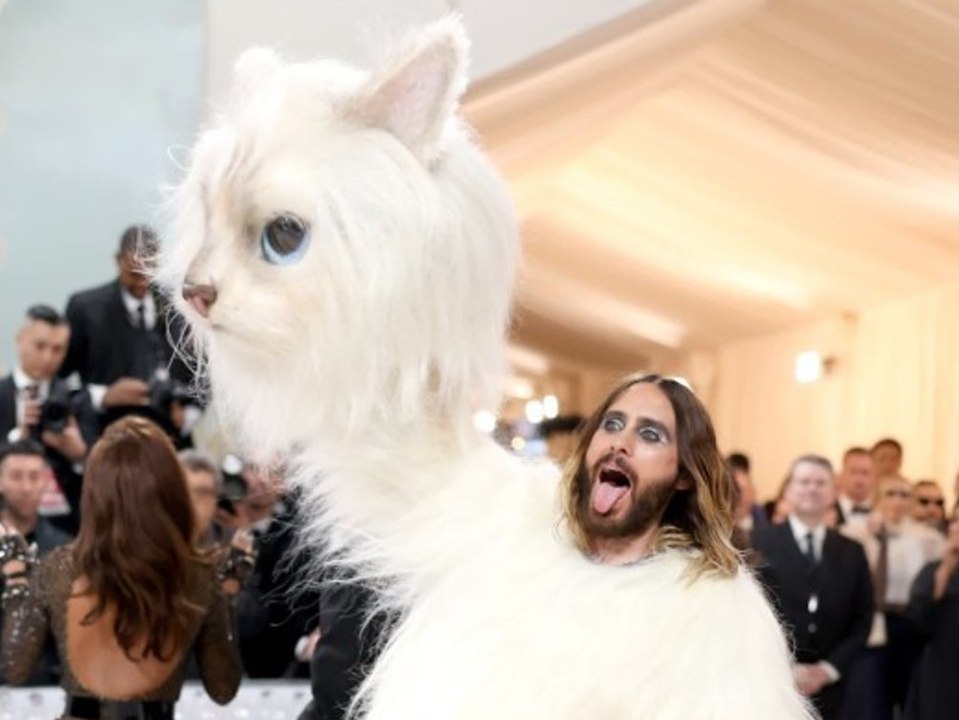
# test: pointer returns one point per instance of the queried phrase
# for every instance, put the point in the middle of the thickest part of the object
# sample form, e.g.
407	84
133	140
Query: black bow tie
861	510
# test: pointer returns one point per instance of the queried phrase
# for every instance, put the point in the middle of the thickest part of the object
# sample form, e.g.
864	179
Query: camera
235	487
55	411
165	391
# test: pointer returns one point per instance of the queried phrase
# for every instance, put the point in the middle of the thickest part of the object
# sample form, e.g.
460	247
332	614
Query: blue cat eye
284	240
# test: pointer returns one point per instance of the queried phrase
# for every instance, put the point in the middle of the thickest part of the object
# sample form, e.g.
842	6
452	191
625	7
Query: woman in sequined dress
132	598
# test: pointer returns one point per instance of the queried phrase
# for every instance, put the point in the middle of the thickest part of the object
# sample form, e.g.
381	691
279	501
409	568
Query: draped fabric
704	174
893	374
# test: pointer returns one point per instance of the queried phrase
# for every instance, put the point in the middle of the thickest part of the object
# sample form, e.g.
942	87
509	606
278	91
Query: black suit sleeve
862	610
348	646
77	350
86	416
923	609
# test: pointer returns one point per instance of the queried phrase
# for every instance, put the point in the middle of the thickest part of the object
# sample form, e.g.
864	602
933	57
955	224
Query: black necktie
810	550
141	317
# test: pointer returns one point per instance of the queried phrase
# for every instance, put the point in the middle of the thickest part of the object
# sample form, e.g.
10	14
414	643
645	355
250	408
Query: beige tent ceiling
697	173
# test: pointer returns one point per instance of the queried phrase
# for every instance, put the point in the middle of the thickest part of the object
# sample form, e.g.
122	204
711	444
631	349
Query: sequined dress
29	618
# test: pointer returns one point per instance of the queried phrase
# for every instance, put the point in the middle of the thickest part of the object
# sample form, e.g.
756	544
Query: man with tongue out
648	499
632	474
647	476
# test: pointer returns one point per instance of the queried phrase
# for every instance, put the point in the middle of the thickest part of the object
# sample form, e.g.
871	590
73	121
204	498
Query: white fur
363	364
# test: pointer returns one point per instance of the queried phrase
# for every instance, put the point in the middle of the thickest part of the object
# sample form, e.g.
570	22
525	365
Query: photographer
36	405
23	476
119	346
273	611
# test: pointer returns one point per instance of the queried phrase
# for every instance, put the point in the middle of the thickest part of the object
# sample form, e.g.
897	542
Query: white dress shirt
801	532
22	381
132	305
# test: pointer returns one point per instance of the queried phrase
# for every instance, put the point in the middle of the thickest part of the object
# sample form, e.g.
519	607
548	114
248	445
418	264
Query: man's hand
13	555
239	518
239	557
69	442
306	646
31	417
810	679
127	391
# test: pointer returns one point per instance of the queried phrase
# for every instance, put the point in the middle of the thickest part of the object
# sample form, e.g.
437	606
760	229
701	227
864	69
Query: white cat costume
356	253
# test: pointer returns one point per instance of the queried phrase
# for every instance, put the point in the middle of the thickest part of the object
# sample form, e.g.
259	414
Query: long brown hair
701	517
134	547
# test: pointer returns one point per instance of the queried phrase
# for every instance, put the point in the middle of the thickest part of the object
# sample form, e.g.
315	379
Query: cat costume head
347	252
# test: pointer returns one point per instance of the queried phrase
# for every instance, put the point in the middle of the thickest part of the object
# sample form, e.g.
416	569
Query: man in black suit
820	582
118	344
35	404
272	614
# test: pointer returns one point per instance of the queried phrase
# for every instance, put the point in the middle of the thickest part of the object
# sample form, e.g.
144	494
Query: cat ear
418	91
254	67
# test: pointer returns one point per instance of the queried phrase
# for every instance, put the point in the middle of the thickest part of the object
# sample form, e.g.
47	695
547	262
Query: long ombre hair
134	548
700	518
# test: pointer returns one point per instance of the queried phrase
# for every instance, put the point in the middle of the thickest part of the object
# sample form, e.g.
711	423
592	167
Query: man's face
811	491
631	465
203	496
928	505
133	275
41	348
895	499
23	479
264	490
858	477
887	460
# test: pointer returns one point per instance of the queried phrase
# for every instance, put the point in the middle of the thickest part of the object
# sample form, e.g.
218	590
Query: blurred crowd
111	354
860	564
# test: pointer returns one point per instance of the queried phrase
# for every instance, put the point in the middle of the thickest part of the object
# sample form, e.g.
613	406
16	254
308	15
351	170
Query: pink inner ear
415	102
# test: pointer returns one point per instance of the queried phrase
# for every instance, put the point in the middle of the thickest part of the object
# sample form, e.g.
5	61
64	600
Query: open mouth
612	484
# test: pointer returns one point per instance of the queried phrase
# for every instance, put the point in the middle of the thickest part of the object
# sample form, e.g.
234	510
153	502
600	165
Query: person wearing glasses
897	548
929	505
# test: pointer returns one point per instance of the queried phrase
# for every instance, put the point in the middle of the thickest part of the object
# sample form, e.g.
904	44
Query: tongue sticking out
605	495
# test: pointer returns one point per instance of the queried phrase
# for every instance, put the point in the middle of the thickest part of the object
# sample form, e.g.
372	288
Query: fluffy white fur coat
362	360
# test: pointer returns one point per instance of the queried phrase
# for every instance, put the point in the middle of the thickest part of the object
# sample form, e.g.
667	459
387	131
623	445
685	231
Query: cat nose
200	296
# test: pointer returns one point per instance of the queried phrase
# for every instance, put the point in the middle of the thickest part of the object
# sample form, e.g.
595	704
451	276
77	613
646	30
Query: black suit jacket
272	613
105	345
348	646
840	582
70	480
